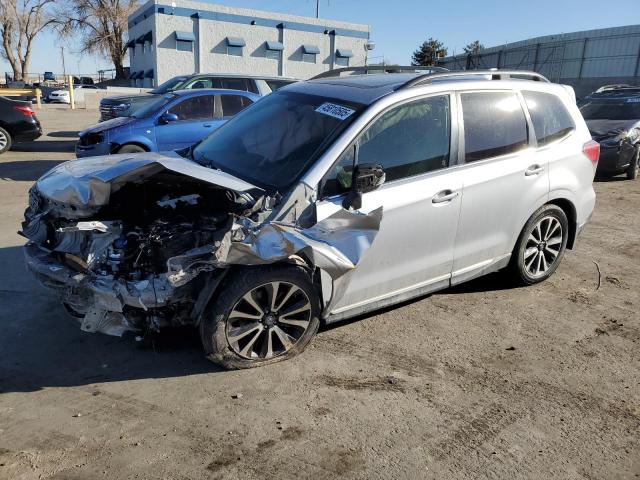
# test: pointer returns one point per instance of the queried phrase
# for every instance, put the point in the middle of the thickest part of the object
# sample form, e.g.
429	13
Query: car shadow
496	281
64	134
27	170
41	346
45	146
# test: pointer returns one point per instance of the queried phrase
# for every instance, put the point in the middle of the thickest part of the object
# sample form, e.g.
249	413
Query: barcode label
336	111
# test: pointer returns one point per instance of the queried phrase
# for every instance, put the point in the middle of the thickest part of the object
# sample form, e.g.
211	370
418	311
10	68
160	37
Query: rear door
503	176
421	199
196	120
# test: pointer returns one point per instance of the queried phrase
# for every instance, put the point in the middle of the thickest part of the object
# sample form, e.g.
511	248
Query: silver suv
322	201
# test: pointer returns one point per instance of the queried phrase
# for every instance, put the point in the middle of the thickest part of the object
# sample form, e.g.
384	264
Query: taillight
25	110
592	151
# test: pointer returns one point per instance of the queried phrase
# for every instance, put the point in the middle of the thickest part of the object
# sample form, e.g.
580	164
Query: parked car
49	76
613	118
122	106
18	123
172	121
322	201
62	96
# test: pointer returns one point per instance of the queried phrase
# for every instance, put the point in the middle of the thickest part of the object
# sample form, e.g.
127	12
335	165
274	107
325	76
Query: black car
18	123
124	106
613	118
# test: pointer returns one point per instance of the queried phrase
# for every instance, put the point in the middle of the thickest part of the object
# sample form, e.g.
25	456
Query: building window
274	50
309	53
184	46
342	56
235	46
184	41
273	54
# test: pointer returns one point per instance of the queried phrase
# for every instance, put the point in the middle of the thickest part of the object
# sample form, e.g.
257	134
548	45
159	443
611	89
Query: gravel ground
480	381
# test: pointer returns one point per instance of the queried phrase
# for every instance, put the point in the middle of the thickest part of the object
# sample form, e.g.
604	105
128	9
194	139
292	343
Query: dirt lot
481	381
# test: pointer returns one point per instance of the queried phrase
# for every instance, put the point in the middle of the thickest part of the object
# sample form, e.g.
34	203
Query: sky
398	27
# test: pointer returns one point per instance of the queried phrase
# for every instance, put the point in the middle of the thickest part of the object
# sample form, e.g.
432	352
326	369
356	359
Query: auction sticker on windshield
333	110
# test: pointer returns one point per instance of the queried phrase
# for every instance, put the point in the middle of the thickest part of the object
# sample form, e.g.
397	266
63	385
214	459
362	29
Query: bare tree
102	25
20	22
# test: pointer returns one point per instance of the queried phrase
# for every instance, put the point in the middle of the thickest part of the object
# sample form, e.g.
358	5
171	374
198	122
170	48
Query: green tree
473	48
428	53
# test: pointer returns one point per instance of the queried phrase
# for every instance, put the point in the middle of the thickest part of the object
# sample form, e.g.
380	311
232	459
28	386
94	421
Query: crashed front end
136	243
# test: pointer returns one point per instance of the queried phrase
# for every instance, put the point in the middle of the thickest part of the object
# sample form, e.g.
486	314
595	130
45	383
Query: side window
194	108
550	118
232	104
235	84
494	124
408	140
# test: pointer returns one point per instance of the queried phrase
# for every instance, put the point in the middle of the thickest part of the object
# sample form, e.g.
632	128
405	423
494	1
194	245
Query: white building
182	37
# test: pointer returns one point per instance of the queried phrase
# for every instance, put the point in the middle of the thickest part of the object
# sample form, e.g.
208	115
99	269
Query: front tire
5	141
541	245
262	315
131	149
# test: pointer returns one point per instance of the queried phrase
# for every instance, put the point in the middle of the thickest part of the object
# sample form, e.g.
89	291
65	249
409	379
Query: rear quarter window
494	125
550	118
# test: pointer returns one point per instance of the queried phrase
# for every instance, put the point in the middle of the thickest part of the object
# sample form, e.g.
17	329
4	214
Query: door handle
208	125
534	170
444	196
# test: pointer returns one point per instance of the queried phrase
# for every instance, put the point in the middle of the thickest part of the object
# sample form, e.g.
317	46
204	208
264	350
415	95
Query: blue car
173	121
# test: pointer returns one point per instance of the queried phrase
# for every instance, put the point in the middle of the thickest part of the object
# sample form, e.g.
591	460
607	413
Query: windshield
169	86
603	110
150	108
272	142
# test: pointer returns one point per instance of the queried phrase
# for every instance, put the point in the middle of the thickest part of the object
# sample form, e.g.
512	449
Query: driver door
421	198
196	120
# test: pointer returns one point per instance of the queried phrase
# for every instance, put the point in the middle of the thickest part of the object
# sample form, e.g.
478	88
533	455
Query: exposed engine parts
137	245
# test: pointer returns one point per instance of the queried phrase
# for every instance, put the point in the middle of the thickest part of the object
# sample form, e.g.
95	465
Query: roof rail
495	75
336	72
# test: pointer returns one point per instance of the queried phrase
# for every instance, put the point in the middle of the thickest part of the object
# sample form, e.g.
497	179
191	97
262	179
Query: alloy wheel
3	141
268	320
543	246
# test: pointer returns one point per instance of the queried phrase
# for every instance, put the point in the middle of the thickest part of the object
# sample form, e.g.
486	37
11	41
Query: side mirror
366	178
168	117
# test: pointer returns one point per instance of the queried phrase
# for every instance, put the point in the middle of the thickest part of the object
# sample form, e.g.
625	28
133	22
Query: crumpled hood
108	125
609	128
87	183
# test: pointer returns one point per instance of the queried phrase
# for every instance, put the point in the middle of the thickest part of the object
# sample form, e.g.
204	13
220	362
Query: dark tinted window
611	110
246	84
494	124
550	118
408	140
276	84
194	108
232	104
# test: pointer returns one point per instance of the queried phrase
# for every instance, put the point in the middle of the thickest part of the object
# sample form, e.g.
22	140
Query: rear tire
632	170
541	245
5	141
131	149
262	315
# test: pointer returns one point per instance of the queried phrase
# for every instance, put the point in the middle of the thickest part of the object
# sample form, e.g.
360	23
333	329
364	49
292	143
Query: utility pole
317	8
64	70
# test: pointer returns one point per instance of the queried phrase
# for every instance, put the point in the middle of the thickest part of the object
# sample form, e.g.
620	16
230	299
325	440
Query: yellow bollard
38	97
